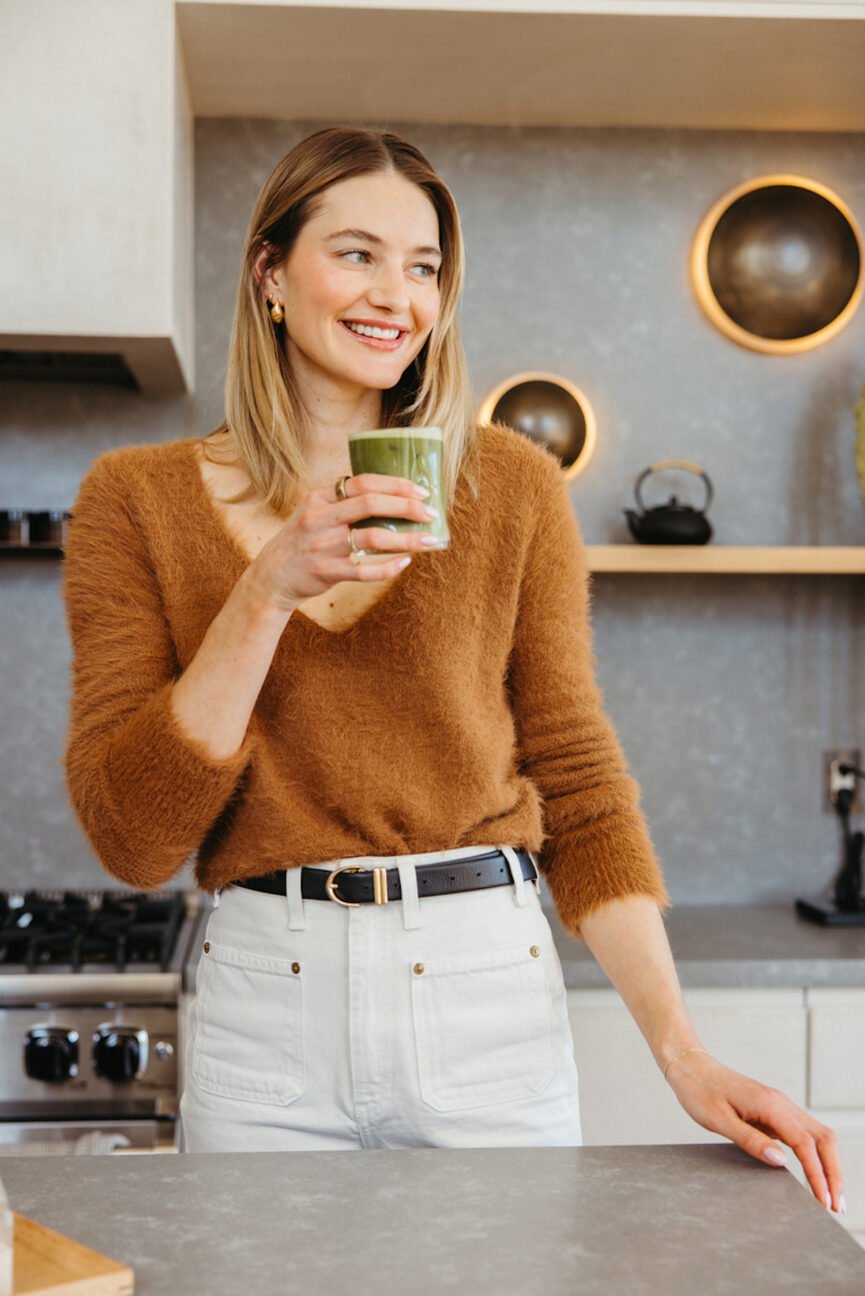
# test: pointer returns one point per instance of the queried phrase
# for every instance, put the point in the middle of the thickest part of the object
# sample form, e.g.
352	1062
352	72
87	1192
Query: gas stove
90	983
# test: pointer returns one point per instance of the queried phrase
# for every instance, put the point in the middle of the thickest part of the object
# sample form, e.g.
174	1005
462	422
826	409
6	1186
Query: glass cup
416	453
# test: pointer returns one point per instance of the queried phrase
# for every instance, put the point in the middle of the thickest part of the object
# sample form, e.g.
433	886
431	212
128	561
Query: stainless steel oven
90	1031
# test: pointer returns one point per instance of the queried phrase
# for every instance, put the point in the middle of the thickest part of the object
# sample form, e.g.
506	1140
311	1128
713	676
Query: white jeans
432	1022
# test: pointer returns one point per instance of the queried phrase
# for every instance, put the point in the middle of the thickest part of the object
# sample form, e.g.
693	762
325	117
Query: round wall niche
777	264
548	409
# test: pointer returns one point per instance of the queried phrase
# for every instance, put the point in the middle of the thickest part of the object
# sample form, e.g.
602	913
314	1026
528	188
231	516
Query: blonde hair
264	416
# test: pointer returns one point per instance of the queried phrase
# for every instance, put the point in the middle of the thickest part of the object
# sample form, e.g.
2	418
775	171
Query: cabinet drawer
836	1073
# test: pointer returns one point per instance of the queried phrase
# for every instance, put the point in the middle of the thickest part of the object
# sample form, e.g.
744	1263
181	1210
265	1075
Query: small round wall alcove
548	409
777	264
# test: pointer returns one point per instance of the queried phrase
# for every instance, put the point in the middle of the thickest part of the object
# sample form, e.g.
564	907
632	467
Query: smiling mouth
380	339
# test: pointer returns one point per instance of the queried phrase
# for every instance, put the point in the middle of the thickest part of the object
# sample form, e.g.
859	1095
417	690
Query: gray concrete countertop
701	1218
738	946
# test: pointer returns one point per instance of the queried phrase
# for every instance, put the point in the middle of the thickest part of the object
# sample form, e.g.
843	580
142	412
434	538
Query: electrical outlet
834	780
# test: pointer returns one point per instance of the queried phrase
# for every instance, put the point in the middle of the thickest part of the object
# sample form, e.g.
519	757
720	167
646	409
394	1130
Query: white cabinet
836	1076
623	1095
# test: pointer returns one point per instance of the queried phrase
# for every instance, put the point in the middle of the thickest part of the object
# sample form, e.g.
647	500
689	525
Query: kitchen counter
738	946
498	1221
722	946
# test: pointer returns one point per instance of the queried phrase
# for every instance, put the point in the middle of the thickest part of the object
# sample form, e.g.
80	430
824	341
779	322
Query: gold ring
341	492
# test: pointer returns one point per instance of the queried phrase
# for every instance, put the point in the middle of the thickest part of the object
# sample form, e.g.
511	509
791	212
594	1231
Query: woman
247	690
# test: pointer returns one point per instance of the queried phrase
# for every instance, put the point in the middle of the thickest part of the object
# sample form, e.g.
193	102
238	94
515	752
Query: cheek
324	291
428	309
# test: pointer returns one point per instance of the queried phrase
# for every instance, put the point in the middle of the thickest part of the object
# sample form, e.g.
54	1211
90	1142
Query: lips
377	344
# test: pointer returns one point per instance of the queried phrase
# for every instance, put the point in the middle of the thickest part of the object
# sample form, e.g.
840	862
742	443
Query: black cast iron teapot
670	523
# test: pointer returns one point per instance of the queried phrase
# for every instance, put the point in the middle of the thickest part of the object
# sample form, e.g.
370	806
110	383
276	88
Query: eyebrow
366	237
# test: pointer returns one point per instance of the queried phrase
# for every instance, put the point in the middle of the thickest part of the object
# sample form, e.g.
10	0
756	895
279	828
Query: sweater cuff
153	757
620	861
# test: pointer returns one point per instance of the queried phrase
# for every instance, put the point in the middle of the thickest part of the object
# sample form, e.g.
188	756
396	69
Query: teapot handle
674	463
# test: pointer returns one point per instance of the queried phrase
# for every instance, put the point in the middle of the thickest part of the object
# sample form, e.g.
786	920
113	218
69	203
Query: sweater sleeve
596	844
144	792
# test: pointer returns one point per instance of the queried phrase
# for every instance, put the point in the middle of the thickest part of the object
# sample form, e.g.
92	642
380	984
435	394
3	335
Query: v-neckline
243	560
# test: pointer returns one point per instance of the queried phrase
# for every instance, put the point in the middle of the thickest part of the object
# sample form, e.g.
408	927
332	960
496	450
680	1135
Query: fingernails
774	1156
828	1201
842	1203
430	512
421	491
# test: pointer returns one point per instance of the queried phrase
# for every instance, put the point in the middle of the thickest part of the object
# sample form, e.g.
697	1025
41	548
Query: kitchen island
485	1221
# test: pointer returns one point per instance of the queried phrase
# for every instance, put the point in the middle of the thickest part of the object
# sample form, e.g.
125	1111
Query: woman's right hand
311	553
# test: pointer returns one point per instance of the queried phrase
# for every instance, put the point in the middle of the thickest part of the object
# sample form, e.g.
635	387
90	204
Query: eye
430	271
360	252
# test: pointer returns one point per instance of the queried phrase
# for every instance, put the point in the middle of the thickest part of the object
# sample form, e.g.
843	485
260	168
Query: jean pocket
483	1028
248	1027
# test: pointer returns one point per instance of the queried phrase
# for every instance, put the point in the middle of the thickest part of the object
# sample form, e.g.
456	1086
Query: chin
375	381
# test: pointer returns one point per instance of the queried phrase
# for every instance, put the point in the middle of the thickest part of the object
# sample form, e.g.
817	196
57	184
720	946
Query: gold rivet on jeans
207	947
534	951
295	967
417	969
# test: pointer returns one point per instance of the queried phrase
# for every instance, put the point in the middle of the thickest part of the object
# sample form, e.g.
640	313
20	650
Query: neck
333	410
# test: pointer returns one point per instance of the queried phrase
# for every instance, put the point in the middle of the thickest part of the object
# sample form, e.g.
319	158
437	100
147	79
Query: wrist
259	605
692	1051
674	1044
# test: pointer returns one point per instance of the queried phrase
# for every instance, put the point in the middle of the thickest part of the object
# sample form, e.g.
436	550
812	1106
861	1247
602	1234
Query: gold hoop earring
276	312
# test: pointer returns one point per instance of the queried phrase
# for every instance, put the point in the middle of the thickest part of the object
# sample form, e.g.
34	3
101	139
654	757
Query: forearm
629	941
215	696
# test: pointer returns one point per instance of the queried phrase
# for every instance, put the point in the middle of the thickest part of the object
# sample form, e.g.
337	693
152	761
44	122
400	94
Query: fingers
364	482
826	1143
370	483
380	570
770	1113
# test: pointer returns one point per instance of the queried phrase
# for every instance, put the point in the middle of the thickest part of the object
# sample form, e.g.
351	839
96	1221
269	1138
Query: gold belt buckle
379	884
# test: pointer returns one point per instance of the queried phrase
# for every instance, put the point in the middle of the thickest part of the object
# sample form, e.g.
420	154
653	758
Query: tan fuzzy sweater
460	710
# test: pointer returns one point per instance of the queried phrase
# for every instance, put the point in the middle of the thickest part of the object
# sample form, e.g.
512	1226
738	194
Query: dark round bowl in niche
548	409
778	264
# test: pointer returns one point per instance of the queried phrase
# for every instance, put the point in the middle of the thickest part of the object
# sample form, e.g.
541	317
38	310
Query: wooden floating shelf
37	547
760	560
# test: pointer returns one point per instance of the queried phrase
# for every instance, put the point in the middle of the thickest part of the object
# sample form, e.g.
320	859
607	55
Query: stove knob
119	1053
51	1054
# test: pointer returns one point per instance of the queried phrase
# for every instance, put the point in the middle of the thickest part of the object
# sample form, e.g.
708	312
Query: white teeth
369	330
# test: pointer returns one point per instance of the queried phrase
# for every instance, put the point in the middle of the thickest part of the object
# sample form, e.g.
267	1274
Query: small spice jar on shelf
14	527
48	527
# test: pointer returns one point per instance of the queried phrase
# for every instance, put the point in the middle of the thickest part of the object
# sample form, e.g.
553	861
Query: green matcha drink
412	452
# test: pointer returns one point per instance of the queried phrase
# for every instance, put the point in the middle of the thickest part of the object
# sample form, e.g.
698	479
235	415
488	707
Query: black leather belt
359	885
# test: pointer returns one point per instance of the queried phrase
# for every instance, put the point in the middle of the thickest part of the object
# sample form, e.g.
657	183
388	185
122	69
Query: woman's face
360	288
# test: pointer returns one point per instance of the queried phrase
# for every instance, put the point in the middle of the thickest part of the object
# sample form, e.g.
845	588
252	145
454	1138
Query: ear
264	279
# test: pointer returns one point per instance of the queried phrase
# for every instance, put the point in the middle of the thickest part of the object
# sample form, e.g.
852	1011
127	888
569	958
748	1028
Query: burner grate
44	928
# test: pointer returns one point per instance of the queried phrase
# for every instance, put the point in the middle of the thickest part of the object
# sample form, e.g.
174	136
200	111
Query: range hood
96	223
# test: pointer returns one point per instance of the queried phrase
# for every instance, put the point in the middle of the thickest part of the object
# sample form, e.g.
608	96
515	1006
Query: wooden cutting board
48	1264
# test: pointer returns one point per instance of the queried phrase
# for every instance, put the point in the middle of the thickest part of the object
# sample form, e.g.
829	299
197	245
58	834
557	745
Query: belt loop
294	899
408	889
216	896
520	894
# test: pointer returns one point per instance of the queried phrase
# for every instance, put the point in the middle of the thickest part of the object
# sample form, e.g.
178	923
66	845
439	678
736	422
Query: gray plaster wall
724	690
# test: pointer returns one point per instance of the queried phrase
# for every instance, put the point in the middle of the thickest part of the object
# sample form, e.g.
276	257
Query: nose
388	290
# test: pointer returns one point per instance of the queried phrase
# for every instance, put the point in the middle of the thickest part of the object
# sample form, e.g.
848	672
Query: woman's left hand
728	1103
